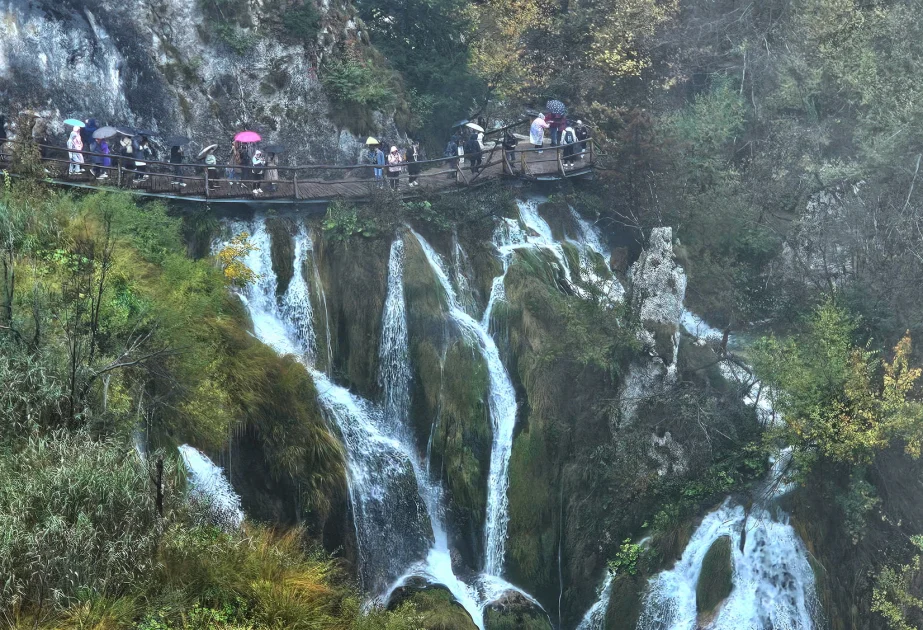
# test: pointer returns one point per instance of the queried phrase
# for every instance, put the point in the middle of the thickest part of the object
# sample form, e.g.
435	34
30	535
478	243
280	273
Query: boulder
514	611
716	577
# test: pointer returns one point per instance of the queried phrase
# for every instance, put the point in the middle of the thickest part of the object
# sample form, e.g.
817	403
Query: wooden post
294	185
459	168
560	162
522	159
119	180
506	162
207	186
591	144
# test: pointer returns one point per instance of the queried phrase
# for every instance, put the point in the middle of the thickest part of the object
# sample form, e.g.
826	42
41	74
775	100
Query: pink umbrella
247	136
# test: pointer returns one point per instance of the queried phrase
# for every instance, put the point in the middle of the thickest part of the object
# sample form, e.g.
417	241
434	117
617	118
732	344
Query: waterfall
392	524
208	481
393	356
773	583
595	617
460	265
296	303
502	406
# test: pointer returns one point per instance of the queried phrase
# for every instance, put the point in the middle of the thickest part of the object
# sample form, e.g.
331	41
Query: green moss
438	610
282	252
625	602
716	578
502	620
557	215
355	282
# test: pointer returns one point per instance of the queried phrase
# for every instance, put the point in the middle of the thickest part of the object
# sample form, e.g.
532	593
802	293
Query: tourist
233	172
557	123
105	161
272	171
374	156
537	132
582	134
256	173
414	156
451	151
473	151
177	157
569	140
509	145
142	153
126	154
394	167
75	144
212	171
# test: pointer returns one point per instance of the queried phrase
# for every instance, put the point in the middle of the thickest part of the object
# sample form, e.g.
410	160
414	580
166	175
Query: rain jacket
75	143
104	149
537	131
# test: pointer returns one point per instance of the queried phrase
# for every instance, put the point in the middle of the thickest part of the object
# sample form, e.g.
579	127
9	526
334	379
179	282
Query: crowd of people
97	149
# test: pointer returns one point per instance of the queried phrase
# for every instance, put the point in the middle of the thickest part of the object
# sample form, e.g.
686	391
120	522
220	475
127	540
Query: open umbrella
461	123
247	136
176	141
105	132
556	107
372	141
207	150
145	132
125	131
73	122
274	148
471	125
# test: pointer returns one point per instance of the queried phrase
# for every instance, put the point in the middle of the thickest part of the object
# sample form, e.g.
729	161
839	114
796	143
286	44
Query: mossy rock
559	218
513	611
436	606
281	251
716	578
625	602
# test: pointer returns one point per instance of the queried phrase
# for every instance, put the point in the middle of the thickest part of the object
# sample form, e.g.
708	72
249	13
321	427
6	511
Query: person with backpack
509	145
582	134
569	140
414	157
256	173
451	151
473	152
395	161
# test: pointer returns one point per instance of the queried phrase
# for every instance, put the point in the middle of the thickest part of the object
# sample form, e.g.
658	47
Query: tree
840	400
231	256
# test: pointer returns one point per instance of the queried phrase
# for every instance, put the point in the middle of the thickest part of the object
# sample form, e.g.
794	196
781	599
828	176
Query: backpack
569	137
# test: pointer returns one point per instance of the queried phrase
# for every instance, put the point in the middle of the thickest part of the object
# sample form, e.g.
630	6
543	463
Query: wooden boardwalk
320	184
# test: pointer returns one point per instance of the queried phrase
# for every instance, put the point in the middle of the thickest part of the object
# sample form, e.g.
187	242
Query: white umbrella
475	127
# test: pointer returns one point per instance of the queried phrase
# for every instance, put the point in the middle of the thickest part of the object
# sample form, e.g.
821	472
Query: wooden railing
299	183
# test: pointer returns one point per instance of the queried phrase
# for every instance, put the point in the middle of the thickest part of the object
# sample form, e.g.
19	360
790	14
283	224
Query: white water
773	583
595	617
208	480
393	355
502	405
392	524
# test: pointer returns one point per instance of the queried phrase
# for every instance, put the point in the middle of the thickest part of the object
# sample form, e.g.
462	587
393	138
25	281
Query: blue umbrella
556	107
73	122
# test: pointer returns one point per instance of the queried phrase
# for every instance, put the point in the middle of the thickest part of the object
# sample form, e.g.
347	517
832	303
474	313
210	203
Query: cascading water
393	355
595	617
392	523
502	405
773	583
208	480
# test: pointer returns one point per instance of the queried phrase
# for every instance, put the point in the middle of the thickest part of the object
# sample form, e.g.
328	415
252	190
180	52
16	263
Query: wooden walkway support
227	183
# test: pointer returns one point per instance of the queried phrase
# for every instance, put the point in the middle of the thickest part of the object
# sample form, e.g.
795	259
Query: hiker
75	144
233	174
556	122
394	167
272	172
142	152
582	134
259	164
126	153
537	132
373	156
414	157
473	150
177	157
210	165
451	151
569	140
509	145
105	161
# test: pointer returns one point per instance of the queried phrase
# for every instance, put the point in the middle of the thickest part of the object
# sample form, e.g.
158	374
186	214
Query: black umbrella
274	148
105	132
125	131
556	107
461	123
176	141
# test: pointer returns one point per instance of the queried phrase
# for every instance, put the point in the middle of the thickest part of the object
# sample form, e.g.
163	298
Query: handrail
199	180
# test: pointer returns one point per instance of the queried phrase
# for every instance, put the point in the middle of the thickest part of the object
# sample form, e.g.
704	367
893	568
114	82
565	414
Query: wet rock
716	578
618	260
434	603
514	611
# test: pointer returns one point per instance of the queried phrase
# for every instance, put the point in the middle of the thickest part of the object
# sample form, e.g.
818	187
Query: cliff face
165	65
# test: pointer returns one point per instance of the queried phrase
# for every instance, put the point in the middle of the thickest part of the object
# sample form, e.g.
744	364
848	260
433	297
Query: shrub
356	82
301	22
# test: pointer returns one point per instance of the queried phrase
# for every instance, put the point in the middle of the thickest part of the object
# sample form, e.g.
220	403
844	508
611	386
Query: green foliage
77	515
358	82
839	400
301	22
345	221
629	558
858	500
892	597
237	39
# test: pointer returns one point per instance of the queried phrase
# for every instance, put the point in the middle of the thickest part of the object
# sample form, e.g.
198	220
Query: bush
301	23
76	516
359	83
